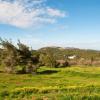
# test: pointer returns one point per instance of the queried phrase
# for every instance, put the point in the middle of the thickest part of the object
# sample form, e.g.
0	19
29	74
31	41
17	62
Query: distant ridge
67	48
71	48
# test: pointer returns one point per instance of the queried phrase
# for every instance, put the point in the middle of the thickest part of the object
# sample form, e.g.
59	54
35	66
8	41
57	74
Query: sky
41	23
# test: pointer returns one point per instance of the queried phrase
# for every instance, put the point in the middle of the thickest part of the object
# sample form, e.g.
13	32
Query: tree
26	59
8	56
13	56
48	58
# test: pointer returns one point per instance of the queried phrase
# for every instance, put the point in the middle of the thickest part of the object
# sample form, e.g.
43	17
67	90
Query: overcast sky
40	23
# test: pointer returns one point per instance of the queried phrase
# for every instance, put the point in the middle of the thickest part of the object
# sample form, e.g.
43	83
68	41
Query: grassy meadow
71	83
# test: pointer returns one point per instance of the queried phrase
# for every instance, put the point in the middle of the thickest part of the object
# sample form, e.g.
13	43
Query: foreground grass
72	83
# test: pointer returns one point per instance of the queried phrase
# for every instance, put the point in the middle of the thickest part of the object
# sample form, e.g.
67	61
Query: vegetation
22	59
83	57
48	73
47	58
13	57
73	83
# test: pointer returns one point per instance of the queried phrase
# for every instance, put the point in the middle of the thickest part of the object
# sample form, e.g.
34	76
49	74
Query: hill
82	55
59	51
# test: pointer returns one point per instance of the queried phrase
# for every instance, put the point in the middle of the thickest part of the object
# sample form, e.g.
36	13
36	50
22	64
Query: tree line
22	59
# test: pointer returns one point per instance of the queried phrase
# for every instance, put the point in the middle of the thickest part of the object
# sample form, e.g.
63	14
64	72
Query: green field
71	83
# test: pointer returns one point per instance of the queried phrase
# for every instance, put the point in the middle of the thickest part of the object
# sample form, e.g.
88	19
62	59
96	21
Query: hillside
82	53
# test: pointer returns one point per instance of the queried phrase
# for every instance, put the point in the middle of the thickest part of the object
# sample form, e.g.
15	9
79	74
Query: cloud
55	12
27	13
